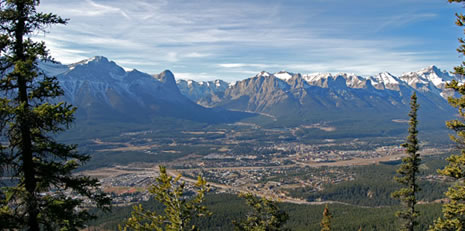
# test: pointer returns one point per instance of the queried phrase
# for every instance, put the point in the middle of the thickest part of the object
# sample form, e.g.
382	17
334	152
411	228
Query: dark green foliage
366	191
409	171
46	195
265	215
227	207
178	211
460	70
453	211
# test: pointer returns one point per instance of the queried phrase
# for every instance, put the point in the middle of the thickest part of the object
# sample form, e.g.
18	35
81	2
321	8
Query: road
118	170
285	199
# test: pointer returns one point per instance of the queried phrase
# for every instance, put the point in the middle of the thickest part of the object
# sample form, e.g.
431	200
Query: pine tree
46	194
454	210
408	171
178	210
265	215
326	220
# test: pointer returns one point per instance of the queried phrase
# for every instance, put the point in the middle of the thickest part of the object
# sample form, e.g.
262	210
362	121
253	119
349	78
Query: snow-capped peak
220	83
387	78
435	75
96	59
322	79
284	75
353	80
99	61
263	74
316	76
430	74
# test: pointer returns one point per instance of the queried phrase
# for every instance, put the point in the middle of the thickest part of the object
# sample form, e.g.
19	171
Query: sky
236	39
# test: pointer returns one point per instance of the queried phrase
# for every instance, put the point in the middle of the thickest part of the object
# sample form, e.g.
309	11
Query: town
230	163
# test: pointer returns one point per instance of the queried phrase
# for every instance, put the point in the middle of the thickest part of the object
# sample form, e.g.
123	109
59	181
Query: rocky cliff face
204	93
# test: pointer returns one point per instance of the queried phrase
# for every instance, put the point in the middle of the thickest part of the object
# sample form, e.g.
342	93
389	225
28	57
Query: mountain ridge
311	98
427	79
103	91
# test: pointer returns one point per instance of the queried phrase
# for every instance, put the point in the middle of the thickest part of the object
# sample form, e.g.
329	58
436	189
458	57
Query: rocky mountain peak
166	77
99	59
387	78
98	64
96	60
429	75
432	69
284	75
263	74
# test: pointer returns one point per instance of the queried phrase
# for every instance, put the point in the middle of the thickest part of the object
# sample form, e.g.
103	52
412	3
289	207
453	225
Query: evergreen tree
265	215
178	210
408	171
46	195
326	220
454	210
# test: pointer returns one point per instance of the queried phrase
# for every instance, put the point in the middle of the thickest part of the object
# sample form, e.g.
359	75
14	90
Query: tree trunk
26	142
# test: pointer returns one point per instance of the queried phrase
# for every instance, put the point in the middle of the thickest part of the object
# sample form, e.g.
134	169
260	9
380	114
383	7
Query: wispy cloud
227	39
235	65
196	55
402	20
103	9
197	76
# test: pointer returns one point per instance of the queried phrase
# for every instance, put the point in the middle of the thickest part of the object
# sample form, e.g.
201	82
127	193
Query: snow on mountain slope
98	84
325	79
430	79
285	93
430	74
202	86
386	80
204	92
102	90
279	82
263	74
104	79
98	73
284	75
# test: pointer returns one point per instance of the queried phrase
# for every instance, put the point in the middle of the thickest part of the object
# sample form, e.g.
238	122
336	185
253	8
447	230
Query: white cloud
237	37
196	55
236	65
172	57
195	76
106	9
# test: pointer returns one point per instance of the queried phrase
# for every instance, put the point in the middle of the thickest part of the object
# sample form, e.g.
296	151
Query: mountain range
104	91
326	96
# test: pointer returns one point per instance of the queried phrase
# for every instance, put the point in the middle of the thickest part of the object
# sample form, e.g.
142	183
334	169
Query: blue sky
235	39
